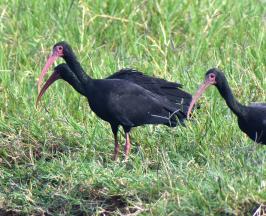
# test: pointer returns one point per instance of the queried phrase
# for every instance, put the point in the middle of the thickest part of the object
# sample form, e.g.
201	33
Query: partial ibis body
127	98
251	119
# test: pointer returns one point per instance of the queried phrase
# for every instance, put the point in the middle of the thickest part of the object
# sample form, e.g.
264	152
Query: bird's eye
60	48
212	76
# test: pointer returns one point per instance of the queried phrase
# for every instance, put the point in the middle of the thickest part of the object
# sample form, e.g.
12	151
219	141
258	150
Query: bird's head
212	77
215	77
60	49
61	71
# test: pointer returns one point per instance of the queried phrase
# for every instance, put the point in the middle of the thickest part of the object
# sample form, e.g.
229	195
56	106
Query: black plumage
127	98
171	90
251	119
156	85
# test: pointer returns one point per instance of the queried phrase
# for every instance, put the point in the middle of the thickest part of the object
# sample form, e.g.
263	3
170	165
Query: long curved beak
197	95
55	76
52	58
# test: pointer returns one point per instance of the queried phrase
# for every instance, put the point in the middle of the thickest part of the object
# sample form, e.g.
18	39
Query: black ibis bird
251	119
127	98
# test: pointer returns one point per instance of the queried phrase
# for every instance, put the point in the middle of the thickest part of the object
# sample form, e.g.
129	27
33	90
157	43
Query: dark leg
127	145
116	150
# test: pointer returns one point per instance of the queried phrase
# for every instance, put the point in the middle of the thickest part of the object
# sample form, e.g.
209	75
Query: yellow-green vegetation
57	159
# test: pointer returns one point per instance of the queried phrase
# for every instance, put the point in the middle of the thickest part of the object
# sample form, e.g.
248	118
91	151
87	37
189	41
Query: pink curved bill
55	76
52	58
197	95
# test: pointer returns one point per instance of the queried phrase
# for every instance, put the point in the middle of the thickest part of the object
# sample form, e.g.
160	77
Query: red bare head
59	50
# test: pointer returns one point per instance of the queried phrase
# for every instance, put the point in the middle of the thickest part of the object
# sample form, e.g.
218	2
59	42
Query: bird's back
171	90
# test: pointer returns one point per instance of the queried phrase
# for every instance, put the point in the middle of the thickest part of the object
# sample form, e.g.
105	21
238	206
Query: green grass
57	159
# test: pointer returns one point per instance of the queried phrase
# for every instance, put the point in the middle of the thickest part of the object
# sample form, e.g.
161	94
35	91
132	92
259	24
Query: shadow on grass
92	205
115	205
100	205
94	201
248	207
4	212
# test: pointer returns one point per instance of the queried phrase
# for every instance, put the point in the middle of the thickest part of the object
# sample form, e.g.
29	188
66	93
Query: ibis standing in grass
251	119
126	98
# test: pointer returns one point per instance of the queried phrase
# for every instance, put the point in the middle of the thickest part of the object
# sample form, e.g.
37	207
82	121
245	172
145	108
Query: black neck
228	96
75	83
75	66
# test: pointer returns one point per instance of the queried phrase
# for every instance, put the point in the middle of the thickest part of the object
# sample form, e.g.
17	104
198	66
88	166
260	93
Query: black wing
170	90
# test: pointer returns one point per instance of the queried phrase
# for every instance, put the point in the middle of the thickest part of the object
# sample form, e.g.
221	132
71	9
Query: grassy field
57	160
